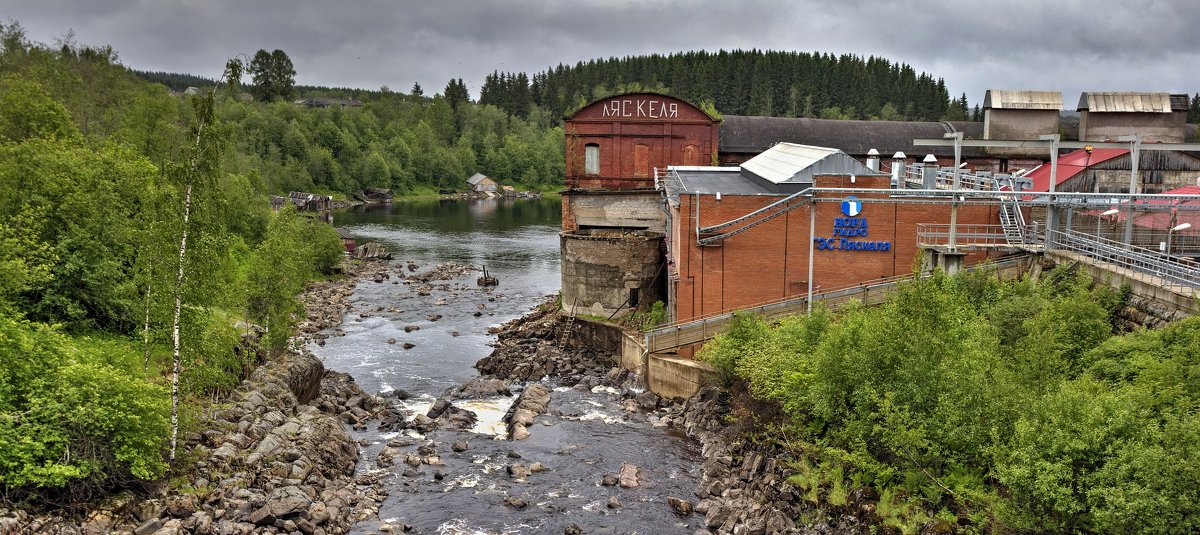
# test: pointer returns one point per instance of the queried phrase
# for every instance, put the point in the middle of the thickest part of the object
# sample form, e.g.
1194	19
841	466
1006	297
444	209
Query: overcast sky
1071	46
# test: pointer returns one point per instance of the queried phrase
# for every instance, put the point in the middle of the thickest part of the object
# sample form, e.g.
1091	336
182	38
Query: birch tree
202	167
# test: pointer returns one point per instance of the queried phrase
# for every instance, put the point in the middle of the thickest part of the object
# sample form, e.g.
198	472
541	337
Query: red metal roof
1164	219
1070	165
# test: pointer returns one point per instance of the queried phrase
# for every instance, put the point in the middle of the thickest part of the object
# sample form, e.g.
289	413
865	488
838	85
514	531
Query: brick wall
770	261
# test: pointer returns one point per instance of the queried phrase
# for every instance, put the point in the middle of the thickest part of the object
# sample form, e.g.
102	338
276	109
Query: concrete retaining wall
603	269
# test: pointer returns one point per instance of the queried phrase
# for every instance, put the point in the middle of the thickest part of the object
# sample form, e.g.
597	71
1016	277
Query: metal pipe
812	238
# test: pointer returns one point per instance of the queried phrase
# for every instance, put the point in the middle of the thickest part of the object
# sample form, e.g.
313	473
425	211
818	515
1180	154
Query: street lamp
1103	215
1176	228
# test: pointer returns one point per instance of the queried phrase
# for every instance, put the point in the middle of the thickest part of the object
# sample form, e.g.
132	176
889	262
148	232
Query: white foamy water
490	414
459	526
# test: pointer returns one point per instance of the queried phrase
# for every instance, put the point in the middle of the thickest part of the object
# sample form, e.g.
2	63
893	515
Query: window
591	159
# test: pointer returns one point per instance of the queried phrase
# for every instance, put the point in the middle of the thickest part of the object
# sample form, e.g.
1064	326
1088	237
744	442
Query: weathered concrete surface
603	269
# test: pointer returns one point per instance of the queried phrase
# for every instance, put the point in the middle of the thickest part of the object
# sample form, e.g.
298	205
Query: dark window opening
633	297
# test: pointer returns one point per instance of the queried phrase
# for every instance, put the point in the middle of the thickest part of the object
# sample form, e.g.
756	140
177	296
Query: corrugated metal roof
749	134
476	179
726	180
791	162
1094	101
1003	99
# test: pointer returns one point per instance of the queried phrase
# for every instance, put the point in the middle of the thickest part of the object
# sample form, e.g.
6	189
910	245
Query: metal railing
915	174
967	235
1169	269
872	292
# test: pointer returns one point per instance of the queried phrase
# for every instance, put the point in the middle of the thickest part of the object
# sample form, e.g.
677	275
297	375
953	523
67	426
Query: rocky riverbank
744	489
273	457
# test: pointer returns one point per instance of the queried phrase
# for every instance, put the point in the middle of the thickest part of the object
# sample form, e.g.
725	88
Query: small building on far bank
480	182
375	195
322	205
349	242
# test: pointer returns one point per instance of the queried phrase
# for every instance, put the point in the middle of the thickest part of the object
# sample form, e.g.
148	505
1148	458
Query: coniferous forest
740	82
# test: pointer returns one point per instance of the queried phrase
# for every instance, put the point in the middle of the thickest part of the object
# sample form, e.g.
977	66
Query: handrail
1168	268
785	200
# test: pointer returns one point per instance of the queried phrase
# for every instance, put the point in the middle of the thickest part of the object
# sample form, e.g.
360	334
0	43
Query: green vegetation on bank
101	177
1000	406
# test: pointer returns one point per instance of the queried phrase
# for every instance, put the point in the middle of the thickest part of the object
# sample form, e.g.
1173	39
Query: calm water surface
585	434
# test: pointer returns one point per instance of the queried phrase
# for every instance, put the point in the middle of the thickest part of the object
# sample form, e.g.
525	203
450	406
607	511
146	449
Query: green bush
1008	402
70	409
746	332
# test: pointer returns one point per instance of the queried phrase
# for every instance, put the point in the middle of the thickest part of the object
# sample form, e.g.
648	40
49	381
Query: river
584	436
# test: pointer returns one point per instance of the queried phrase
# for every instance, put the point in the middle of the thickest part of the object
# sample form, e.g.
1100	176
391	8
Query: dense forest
133	262
983	406
740	82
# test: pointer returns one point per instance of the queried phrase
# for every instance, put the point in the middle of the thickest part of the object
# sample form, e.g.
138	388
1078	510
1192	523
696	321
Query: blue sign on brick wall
845	229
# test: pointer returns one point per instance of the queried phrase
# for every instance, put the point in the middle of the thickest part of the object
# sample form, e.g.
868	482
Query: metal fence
915	175
967	235
1186	243
1169	269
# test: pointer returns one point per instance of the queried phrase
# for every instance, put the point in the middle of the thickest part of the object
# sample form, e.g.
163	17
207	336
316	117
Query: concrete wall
668	375
1179	304
601	268
1162	127
1018	125
606	337
614	209
672	376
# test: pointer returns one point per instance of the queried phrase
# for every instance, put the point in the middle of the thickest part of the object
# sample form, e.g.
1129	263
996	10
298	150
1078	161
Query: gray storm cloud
1070	46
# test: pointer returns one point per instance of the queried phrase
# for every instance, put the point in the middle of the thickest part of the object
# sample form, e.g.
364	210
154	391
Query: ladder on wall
566	333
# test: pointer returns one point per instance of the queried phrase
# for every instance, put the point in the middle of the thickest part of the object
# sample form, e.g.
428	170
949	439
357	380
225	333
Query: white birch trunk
177	361
146	324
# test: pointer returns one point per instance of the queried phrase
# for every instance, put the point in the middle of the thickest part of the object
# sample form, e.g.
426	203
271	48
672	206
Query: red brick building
617	142
630	229
770	260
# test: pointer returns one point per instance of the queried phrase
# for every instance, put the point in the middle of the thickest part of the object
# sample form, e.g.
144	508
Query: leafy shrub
69	412
1009	403
746	332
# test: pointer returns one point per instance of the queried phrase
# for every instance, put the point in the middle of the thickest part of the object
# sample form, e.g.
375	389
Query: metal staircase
1011	217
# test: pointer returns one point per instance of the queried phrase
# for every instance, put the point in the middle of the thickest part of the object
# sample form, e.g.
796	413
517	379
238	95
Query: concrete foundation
604	271
626	209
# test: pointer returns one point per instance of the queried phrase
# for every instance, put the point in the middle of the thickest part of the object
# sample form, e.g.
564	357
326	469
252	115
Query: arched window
591	159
